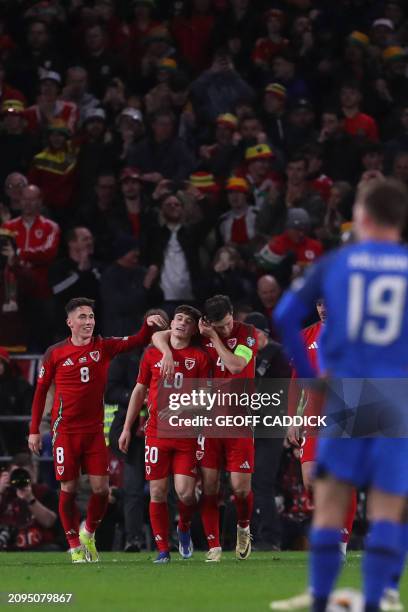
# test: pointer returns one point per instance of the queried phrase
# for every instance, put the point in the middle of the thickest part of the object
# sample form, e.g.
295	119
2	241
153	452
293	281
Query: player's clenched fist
124	440
34	443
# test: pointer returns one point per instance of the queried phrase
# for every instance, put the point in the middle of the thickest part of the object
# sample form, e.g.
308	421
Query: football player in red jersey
165	456
232	347
78	367
313	405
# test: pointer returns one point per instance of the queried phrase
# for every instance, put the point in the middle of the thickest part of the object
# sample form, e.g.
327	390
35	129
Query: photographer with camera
28	516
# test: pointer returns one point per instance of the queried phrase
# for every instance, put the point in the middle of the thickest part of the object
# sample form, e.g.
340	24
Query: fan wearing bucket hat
273	113
54	169
50	105
220	155
237	226
259	173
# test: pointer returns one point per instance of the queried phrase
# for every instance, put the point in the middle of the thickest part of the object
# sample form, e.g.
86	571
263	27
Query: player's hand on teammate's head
35	443
156	320
124	440
206	329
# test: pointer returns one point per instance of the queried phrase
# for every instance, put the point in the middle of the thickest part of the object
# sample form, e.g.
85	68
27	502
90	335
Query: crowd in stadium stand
158	152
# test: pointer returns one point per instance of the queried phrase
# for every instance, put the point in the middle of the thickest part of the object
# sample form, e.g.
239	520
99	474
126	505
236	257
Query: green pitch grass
129	582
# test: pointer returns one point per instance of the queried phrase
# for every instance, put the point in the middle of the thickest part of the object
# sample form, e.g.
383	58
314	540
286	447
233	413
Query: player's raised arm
44	381
235	361
161	340
135	405
142	338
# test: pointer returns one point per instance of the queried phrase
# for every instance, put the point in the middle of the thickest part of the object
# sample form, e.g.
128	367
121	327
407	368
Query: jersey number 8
84	374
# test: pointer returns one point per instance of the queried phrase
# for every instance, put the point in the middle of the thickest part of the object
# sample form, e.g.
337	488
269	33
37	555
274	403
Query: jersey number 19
381	298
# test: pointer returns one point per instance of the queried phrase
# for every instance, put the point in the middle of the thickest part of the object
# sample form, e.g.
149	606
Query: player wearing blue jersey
365	290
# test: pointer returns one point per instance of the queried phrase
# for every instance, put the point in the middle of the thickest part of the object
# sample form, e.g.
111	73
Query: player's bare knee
186	496
101	489
241	492
158	492
383	506
69	486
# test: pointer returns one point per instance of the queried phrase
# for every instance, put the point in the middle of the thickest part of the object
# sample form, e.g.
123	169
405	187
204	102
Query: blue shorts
380	463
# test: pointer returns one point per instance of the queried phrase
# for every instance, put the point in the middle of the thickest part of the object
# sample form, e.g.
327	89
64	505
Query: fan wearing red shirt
232	348
78	369
356	123
295	240
165	456
313	406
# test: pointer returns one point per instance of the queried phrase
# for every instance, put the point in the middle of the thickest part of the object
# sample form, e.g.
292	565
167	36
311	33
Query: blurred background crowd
157	152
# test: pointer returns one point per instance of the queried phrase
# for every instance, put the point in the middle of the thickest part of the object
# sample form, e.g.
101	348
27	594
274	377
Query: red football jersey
189	362
306	251
241	334
79	374
311	337
312	400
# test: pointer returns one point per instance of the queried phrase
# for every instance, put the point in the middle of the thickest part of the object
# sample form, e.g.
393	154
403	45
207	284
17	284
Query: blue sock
398	569
382	553
325	563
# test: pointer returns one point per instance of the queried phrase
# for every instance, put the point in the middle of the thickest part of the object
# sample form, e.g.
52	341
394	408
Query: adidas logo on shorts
244	466
68	362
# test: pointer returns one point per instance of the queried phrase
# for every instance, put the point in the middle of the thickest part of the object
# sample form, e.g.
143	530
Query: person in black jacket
271	363
127	288
175	249
162	155
77	274
16	395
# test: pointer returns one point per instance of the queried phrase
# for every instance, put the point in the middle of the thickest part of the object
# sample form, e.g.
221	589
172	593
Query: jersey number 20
385	300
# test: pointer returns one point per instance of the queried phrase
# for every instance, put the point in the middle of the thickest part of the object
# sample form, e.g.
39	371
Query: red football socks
97	506
210	519
159	520
69	515
244	507
348	525
185	515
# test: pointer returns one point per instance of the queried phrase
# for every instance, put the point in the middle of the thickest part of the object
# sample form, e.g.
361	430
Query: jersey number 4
376	308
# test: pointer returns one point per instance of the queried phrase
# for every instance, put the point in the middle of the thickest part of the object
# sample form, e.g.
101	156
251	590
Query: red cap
4	354
130	172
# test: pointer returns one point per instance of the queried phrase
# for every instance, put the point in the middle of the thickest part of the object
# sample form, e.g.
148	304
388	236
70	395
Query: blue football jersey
365	288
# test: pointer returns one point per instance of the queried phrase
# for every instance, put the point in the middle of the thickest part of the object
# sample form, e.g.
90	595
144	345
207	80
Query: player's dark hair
190	311
217	307
77	302
386	201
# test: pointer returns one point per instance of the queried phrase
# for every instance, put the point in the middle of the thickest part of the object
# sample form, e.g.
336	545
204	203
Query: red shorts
76	453
234	454
165	456
308	449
